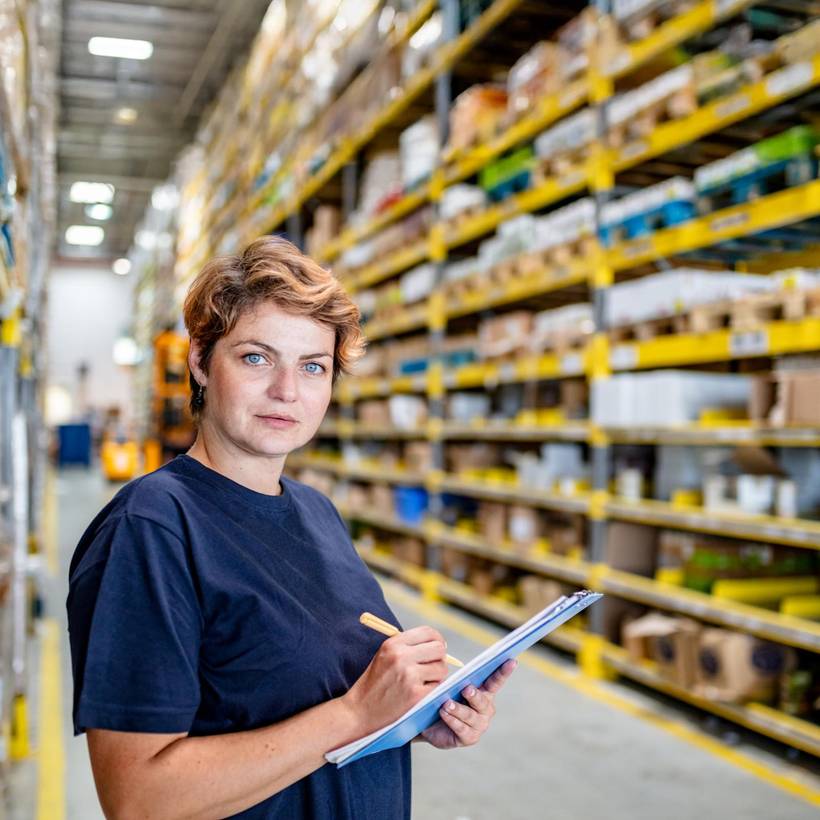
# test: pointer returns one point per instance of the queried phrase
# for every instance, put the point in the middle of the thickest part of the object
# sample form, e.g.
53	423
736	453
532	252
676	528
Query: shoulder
306	496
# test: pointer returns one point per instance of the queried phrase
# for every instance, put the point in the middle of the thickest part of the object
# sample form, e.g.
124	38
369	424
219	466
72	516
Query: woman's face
269	381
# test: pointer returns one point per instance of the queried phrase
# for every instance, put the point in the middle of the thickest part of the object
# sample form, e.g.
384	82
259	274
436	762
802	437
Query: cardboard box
418	456
735	668
524	526
505	334
798	400
565	535
671	642
574	399
492	521
463	457
381	498
614	614
536	593
631	547
410	550
455	564
373	413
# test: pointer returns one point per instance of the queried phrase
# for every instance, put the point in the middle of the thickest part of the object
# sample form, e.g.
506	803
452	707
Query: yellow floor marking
51	803
588	687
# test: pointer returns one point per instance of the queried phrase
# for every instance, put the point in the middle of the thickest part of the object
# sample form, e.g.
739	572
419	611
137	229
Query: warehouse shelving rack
597	359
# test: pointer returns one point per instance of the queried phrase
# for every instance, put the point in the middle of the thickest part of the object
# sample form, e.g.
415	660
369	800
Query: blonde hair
269	269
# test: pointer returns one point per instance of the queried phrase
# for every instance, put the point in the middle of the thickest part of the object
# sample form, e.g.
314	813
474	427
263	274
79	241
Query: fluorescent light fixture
122	267
164	198
126	115
91	192
120	47
99	212
84	235
126	353
147	240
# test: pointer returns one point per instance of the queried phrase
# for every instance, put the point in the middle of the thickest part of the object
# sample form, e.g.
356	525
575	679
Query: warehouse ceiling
123	121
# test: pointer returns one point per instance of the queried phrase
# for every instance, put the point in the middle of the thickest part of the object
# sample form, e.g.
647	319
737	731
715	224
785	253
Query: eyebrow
274	350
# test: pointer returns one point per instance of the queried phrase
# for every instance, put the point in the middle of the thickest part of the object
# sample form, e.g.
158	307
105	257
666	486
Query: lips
278	417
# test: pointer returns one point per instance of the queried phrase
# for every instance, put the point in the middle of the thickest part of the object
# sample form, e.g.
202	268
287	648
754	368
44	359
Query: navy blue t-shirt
198	605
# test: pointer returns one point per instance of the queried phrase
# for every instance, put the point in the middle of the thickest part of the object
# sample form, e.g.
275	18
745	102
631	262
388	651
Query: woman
214	604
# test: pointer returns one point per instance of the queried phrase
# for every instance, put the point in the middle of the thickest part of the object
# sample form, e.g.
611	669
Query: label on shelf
506	372
730	221
572	363
790	78
749	343
724	7
734	105
623	357
633	149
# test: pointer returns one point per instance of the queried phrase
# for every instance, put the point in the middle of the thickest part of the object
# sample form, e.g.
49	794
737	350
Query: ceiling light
126	353
147	240
122	267
84	235
91	192
119	47
99	212
127	115
165	198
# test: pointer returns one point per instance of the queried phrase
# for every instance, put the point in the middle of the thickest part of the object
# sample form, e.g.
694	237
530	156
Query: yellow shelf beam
770	529
772	211
578	503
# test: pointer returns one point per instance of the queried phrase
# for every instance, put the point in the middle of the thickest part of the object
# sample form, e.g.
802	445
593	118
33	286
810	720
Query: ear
194	355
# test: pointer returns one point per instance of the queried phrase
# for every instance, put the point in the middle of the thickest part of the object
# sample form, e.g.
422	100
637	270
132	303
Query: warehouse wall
89	308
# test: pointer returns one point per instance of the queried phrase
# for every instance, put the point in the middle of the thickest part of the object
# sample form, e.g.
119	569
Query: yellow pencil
370	620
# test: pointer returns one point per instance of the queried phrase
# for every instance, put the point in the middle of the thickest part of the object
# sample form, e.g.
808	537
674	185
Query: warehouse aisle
560	747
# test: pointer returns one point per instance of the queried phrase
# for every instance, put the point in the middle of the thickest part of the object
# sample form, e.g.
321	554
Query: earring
200	395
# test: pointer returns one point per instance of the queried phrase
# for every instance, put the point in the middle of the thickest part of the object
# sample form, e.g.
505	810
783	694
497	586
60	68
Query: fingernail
451	706
470	691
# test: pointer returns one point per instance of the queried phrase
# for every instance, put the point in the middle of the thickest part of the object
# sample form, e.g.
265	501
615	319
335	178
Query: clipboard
426	712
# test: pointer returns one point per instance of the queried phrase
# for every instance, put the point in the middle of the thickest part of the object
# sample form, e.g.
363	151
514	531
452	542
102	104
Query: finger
421	634
428	652
501	675
433	672
482	702
466	715
466	735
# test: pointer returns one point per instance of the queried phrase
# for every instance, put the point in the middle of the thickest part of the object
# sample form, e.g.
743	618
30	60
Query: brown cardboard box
358	497
418	456
505	334
374	413
734	667
574	398
762	397
410	550
798	400
564	535
614	613
382	499
675	548
485	576
463	457
631	547
492	521
671	642
536	593
524	526
455	564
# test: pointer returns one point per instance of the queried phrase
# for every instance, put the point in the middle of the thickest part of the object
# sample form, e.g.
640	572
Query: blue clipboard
426	712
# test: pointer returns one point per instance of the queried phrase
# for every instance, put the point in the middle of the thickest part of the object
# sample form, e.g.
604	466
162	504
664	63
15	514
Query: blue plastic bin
411	503
75	444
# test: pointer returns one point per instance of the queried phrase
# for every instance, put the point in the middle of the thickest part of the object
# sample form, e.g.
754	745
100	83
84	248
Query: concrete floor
553	751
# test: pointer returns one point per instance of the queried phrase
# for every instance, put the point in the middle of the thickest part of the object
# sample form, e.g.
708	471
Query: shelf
772	339
372	473
549	110
411	318
396	262
549	192
699	435
578	503
359	387
385	562
790	531
509	431
538	284
530	368
773	89
349	429
768	212
763	719
698	19
385	522
441	61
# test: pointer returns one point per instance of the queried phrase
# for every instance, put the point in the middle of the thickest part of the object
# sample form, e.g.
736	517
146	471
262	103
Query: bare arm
176	777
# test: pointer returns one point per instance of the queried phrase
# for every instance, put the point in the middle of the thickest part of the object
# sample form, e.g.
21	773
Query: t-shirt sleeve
135	627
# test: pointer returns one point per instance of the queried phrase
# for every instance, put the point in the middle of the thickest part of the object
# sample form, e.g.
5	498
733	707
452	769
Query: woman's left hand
463	725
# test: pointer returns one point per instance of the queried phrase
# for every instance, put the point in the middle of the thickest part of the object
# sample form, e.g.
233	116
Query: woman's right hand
406	667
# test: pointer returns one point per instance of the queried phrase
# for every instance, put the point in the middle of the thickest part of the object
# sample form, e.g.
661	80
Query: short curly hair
269	269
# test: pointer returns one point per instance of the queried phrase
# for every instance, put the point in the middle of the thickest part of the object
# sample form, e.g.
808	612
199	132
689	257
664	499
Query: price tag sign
623	357
572	363
749	343
789	79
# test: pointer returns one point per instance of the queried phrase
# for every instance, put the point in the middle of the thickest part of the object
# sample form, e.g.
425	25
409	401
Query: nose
283	386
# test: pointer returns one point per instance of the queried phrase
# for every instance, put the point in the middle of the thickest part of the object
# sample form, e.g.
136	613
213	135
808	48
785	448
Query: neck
258	473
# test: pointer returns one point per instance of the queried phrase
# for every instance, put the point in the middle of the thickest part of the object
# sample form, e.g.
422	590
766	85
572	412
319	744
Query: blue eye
315	364
254	358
